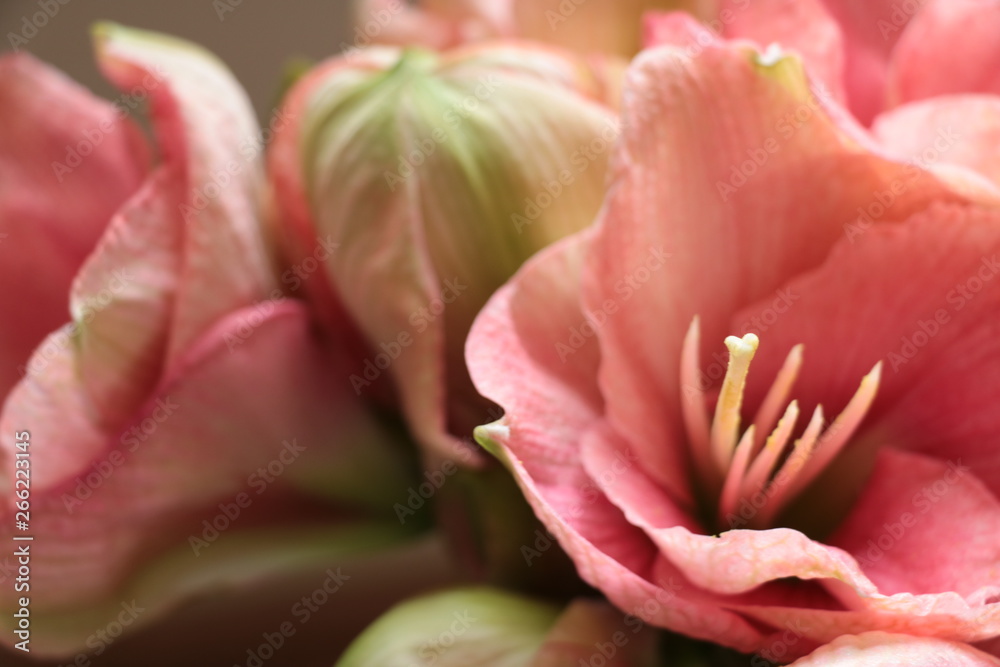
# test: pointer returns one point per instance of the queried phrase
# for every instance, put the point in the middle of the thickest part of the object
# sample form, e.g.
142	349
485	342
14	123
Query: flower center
759	469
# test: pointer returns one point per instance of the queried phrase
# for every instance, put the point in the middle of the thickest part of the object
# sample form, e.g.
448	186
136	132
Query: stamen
734	479
693	405
763	465
782	483
737	470
767	414
841	430
726	423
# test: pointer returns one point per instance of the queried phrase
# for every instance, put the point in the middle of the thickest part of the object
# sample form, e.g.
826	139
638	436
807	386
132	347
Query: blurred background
257	40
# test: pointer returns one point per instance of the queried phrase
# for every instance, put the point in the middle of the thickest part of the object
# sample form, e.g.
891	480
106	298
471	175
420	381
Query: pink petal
960	130
198	440
904	528
881	649
207	129
950	47
938	340
871	29
67	161
122	301
723	238
804	27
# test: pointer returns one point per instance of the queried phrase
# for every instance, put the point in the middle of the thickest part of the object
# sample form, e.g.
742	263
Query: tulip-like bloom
492	628
185	397
832	470
604	27
434	177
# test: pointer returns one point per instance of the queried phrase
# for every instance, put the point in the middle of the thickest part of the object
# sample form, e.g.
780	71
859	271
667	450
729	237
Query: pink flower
185	384
836	471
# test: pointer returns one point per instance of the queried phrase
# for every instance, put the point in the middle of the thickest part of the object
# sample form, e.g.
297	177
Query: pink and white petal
923	294
881	649
122	299
904	528
962	130
206	127
721	194
803	27
871	28
201	439
53	404
67	161
547	385
949	47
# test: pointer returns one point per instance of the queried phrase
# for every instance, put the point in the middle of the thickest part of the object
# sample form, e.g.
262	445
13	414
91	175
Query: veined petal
959	130
871	29
904	528
949	47
205	128
938	340
730	179
67	161
211	431
122	302
436	179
